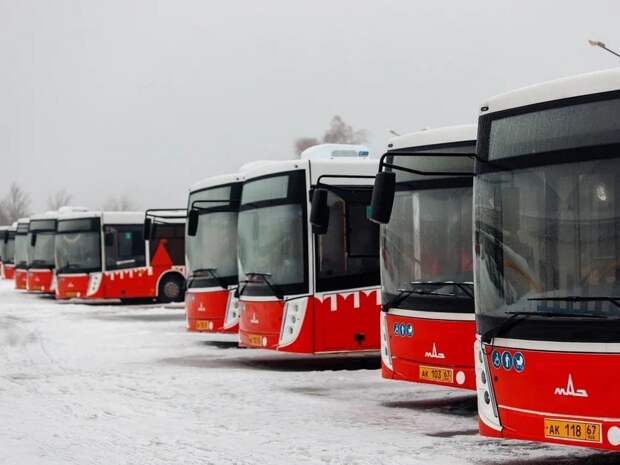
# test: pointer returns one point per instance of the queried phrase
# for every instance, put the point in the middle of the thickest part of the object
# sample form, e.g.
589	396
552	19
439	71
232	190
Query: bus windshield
272	233
9	249
41	254
21	250
548	239
212	252
78	246
429	238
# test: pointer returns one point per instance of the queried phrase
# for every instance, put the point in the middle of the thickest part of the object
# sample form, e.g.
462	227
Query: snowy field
111	384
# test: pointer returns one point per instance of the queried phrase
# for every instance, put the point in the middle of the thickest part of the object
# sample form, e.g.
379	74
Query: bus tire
171	288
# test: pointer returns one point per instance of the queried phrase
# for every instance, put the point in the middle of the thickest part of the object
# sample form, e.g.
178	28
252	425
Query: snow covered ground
111	384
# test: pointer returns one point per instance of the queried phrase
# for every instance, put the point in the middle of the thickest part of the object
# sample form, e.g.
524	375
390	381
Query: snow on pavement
111	384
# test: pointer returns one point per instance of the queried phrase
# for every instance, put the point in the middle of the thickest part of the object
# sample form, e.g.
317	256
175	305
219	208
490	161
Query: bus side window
175	241
348	253
126	249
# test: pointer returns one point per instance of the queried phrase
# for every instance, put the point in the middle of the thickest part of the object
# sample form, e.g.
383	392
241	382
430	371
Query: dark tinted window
124	247
174	237
84	224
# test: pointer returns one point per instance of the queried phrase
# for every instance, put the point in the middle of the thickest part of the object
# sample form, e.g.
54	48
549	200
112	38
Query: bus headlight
94	281
386	354
294	314
487	407
231	318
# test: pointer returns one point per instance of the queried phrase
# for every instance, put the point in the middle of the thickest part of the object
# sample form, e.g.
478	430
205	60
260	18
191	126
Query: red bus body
303	292
428	324
211	256
21	254
115	261
546	209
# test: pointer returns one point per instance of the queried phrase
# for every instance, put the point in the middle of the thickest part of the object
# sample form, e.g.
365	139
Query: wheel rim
172	290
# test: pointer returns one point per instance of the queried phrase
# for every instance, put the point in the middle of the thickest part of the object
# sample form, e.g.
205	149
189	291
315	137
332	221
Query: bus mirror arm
33	239
192	222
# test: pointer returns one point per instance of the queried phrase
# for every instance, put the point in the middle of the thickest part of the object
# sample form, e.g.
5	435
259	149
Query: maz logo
434	353
201	308
570	390
254	320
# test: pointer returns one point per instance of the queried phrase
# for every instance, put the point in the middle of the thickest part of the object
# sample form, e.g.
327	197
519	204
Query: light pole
598	43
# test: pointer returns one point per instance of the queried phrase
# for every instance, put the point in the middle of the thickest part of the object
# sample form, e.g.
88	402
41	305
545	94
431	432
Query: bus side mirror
192	222
33	239
147	228
382	197
5	237
108	239
319	212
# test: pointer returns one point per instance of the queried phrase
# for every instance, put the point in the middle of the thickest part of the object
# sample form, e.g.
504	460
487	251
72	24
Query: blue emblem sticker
518	361
506	360
497	359
410	330
401	329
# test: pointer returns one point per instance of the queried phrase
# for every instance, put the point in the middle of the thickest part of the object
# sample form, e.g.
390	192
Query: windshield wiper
265	277
397	299
464	287
576	298
512	320
212	272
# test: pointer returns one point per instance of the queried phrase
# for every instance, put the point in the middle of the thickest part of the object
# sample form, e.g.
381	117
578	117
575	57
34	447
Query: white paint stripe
432	315
558	416
559	346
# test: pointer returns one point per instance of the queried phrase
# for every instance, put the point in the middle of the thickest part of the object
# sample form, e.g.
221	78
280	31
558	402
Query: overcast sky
146	97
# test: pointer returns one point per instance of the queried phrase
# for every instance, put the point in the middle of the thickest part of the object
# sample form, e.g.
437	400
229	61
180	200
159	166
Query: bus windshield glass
9	249
272	233
548	239
41	255
78	245
21	250
428	238
212	252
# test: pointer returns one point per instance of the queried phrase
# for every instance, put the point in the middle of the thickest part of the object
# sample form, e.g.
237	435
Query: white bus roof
318	168
23	221
50	215
333	151
573	86
216	181
107	217
445	135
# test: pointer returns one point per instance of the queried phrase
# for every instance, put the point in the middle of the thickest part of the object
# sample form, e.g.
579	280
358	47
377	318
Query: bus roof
213	181
49	215
436	136
22	221
321	167
136	217
573	86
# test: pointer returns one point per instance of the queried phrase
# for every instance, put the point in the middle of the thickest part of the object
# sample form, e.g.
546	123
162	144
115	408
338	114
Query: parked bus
304	292
547	212
21	253
104	255
4	232
41	232
427	323
8	254
211	255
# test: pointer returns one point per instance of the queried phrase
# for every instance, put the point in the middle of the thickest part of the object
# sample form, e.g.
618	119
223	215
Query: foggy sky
147	97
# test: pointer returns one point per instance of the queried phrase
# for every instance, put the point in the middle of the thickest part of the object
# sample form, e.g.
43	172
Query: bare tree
339	132
120	203
59	199
303	143
14	205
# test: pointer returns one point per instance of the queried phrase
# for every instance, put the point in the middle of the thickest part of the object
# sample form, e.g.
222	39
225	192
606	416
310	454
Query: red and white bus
303	292
41	232
427	323
7	267
104	255
547	277
211	255
21	253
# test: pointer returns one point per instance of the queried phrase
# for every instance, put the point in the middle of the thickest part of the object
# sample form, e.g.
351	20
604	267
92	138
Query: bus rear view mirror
147	228
382	197
192	222
5	237
319	212
33	239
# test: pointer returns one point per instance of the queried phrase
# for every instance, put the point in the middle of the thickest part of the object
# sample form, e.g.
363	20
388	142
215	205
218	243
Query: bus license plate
255	339
70	295
573	430
437	375
202	324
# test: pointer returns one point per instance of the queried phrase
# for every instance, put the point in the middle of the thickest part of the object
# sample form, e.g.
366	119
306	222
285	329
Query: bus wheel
170	289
